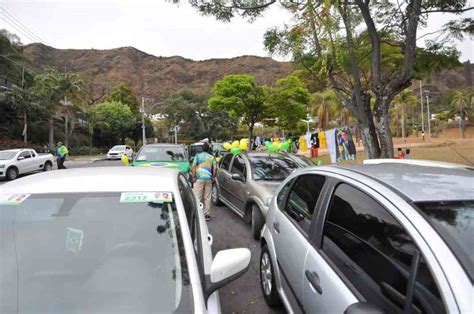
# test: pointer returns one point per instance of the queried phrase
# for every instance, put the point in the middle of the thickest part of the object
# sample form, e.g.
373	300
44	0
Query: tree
190	110
288	102
331	37
124	94
243	98
402	102
52	90
460	102
113	119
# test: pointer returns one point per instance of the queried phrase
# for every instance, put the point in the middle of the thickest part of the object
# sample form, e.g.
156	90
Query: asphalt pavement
229	231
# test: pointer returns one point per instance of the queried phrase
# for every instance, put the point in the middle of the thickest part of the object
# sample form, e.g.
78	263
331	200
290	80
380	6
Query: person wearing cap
61	154
204	170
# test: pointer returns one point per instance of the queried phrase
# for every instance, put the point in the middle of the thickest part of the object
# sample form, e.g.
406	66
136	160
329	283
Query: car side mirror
238	177
227	266
363	308
296	215
21	158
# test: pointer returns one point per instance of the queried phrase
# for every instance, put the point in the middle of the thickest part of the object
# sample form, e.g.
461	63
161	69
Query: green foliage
288	101
114	120
190	110
124	94
241	97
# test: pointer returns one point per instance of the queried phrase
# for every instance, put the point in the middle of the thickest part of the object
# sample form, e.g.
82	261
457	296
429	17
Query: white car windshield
79	253
118	147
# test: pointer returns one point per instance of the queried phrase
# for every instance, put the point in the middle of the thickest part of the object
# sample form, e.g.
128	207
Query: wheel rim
214	194
48	167
266	273
12	174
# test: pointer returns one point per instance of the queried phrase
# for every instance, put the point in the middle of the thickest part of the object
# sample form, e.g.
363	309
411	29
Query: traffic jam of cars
385	236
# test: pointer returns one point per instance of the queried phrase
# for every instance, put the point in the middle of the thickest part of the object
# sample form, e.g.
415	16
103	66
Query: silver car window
377	255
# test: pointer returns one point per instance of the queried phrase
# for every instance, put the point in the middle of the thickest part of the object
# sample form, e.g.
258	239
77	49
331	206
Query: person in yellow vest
61	154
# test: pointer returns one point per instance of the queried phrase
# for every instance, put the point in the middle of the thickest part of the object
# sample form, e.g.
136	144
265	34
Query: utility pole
25	121
143	122
422	114
428	110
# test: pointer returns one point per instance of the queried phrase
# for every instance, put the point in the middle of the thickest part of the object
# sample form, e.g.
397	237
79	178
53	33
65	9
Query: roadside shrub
84	150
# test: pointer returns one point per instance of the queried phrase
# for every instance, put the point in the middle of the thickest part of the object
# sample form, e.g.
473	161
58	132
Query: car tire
257	222
11	174
48	166
267	279
215	195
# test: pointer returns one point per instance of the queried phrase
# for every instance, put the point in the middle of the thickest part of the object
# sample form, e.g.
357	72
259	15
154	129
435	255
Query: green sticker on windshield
146	197
13	199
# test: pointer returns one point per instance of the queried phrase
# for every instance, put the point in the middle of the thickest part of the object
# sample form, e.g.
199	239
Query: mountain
154	78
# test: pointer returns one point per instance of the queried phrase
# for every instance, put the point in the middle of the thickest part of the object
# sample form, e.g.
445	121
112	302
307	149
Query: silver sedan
390	236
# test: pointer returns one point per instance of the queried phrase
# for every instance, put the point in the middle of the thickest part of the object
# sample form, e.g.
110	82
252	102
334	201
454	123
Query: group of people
61	152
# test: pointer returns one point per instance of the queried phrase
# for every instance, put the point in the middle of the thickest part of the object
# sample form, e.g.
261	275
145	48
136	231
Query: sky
157	27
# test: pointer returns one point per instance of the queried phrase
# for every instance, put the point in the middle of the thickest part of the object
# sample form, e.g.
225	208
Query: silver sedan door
290	232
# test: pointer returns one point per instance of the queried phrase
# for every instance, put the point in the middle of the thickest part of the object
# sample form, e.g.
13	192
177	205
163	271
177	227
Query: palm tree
54	88
460	100
404	100
327	107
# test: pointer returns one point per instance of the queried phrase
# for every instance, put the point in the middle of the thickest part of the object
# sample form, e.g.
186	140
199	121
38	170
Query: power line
11	19
17	21
21	32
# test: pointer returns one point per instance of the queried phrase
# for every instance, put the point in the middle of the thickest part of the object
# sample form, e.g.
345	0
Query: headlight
2	166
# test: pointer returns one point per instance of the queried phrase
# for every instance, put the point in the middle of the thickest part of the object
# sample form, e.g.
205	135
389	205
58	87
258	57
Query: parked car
163	156
194	149
385	237
118	151
301	160
108	247
15	162
245	182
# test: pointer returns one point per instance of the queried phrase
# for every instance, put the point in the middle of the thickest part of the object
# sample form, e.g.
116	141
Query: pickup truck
15	162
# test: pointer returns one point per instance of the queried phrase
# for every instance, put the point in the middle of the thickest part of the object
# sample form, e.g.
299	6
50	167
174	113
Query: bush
84	150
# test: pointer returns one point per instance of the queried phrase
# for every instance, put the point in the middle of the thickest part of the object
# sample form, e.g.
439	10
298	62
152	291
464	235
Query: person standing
61	154
204	170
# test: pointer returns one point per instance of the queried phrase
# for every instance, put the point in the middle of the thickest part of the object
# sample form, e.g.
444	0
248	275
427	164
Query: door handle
276	226
314	281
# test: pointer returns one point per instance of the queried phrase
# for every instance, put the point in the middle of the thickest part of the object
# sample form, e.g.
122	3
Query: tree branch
447	10
236	4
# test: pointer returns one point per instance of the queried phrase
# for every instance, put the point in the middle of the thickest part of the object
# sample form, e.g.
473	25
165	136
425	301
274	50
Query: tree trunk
364	117
251	125
382	123
51	132
66	130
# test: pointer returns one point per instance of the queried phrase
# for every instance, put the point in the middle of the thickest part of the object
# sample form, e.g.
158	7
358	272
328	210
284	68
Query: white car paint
138	179
24	161
118	151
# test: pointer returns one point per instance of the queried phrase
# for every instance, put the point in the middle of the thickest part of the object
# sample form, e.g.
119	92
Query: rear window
85	253
272	167
161	153
454	221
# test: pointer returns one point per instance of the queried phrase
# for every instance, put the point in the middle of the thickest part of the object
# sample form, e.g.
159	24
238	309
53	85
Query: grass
461	153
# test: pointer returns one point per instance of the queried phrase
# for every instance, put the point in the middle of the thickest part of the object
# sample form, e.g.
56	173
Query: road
229	231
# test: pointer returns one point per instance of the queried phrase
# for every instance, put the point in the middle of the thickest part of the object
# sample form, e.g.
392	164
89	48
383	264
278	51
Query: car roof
262	154
12	150
420	182
98	179
164	144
